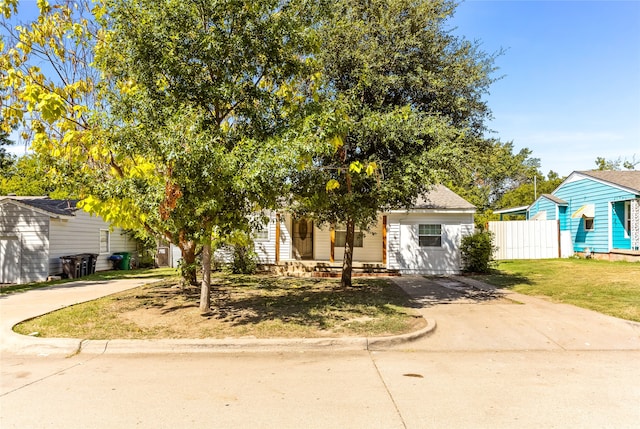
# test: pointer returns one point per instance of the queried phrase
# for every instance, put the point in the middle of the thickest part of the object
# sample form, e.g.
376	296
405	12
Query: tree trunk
205	286
189	268
347	262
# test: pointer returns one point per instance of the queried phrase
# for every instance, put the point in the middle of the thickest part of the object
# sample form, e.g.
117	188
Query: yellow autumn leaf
332	184
371	168
51	107
337	142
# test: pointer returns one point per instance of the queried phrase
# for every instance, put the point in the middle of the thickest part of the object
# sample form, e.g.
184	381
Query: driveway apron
472	316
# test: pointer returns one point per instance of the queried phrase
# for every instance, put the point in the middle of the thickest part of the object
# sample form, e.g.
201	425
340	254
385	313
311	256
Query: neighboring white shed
36	231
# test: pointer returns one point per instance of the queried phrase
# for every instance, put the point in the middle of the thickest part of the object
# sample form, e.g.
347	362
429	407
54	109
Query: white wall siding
81	234
266	249
285	237
393	242
322	244
405	253
175	255
31	228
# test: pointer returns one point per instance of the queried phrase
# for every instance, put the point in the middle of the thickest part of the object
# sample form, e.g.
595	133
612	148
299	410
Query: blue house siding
543	204
621	239
586	191
563	218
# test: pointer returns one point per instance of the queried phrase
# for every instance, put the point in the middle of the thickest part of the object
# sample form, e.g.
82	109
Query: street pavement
493	361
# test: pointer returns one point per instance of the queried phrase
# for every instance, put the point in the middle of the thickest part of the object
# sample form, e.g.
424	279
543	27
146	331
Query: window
430	235
105	241
341	238
261	232
588	224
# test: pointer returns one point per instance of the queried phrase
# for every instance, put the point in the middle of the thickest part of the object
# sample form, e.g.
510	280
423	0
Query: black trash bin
88	263
71	266
93	259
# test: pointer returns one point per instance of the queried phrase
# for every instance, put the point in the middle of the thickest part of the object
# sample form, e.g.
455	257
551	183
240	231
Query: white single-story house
424	239
36	231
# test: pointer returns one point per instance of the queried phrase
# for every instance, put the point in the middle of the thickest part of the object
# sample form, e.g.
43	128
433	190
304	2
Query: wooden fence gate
526	239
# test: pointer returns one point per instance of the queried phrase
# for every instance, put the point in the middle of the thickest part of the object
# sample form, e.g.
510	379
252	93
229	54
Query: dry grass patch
259	306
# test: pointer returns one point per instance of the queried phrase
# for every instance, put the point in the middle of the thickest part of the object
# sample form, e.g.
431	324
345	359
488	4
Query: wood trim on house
332	235
384	239
277	238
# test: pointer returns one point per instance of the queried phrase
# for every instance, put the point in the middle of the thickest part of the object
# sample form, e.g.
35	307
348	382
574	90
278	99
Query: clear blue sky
570	86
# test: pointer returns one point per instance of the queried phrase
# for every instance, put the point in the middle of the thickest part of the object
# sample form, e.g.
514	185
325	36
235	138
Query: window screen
104	241
430	235
341	238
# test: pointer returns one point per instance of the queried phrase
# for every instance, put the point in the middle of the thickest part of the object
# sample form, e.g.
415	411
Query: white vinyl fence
526	239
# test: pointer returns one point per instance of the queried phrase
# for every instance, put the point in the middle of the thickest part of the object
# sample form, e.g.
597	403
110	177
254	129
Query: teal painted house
598	210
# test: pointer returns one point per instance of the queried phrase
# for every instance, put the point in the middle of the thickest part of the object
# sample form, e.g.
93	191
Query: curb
20	344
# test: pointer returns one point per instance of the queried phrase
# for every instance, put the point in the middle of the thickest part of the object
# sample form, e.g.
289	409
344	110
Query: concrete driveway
472	316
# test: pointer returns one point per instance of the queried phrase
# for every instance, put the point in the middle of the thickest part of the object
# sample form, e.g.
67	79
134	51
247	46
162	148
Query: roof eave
36	209
586	175
435	211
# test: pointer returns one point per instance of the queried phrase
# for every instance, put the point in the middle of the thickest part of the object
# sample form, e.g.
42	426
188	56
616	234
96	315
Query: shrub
244	259
477	252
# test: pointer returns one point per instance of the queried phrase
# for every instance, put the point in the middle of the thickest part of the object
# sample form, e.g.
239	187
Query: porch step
338	274
324	269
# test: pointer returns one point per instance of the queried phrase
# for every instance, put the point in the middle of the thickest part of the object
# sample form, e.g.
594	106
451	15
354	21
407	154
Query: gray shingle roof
628	179
55	207
441	197
554	199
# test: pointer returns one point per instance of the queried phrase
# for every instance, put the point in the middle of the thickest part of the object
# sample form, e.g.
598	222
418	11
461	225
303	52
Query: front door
302	239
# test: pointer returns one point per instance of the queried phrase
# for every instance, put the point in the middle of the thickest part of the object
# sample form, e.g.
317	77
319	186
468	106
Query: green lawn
608	287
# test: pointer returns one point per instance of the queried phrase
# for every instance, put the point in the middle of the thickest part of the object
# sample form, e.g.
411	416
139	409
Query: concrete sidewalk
15	308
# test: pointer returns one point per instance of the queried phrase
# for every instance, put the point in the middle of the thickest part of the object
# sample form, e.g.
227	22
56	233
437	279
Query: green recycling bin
125	263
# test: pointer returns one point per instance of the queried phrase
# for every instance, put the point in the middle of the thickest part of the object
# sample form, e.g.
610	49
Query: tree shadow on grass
308	303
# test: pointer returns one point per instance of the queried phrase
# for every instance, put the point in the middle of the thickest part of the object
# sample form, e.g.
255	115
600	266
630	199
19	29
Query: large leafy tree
27	175
60	102
493	172
55	97
402	104
206	95
527	192
180	129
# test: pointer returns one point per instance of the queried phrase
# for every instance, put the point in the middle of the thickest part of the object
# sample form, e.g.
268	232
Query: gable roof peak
441	197
626	178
